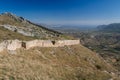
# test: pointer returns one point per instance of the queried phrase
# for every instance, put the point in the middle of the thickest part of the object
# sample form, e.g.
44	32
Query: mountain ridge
113	27
26	27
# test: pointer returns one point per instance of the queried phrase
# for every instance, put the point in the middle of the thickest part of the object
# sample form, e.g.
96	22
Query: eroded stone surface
10	45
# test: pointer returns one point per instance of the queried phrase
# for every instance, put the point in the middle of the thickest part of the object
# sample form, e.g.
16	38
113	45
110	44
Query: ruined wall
71	42
49	43
10	45
3	46
34	43
16	44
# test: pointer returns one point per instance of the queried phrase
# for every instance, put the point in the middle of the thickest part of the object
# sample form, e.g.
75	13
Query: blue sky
81	12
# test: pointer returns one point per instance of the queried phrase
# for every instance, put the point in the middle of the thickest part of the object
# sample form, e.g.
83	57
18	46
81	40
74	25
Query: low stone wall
49	43
16	44
34	43
10	45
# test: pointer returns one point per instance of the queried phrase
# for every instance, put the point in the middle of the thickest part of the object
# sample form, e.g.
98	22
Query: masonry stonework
10	45
16	44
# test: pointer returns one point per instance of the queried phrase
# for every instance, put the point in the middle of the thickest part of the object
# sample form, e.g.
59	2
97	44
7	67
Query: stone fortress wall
10	45
16	44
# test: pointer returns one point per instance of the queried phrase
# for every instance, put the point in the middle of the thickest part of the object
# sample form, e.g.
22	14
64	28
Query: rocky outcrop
16	44
26	32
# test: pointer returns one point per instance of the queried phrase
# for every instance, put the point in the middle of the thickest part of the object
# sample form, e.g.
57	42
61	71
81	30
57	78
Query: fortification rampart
16	44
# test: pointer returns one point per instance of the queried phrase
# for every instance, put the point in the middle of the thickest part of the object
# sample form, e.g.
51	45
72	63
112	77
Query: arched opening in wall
23	44
53	42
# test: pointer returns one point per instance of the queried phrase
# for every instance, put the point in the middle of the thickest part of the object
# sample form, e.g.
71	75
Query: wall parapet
16	44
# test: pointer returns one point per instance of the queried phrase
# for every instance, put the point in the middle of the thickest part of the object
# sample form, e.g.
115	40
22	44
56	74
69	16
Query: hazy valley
103	39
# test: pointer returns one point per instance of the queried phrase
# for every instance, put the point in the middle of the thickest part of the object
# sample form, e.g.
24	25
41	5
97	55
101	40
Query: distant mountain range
114	27
70	28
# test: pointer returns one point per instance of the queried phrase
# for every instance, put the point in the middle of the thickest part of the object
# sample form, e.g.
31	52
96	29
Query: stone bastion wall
16	44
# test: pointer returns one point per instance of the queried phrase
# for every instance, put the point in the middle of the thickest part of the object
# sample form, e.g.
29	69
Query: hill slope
62	63
6	34
27	28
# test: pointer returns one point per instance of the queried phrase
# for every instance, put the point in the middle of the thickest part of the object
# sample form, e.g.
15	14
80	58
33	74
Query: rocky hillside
62	63
105	40
105	43
27	28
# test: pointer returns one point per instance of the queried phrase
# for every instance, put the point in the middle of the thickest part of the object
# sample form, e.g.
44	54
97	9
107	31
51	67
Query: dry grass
65	63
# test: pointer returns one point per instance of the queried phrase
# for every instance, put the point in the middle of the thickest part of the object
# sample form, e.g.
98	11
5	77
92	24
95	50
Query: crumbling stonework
10	45
49	43
34	43
16	44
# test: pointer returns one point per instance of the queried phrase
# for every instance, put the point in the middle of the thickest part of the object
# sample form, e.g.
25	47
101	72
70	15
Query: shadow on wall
53	42
23	44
